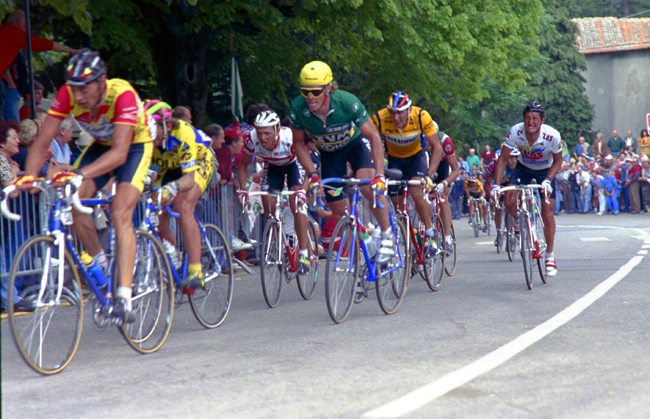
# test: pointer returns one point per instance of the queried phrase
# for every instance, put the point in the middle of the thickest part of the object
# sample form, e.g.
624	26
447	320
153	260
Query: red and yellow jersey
474	187
407	142
120	106
186	150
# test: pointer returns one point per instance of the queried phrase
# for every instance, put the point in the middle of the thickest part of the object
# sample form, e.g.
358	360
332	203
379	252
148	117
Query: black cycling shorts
334	164
134	171
411	167
273	177
443	171
524	176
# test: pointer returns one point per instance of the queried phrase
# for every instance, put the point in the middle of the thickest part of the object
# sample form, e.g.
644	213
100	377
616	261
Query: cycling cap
398	101
267	119
84	68
316	73
152	107
534	107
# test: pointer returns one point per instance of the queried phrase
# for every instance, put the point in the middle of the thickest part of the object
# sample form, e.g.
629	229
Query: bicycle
210	303
343	284
430	269
276	263
48	337
506	234
450	247
532	242
477	222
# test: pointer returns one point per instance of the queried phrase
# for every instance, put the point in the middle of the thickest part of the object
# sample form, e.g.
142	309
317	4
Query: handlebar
71	190
301	209
525	187
354	181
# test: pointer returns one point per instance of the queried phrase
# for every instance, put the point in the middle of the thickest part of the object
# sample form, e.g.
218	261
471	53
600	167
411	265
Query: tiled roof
607	34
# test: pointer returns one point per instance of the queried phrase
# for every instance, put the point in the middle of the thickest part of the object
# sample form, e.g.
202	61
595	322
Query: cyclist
111	112
474	189
540	159
186	167
406	130
448	171
510	167
338	122
274	144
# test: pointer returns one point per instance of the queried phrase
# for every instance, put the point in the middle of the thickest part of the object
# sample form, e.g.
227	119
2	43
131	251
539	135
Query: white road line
424	395
483	243
594	239
642	252
646	246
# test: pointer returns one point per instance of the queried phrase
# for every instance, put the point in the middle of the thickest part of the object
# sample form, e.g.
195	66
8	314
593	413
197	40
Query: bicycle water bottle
376	239
174	257
418	237
93	267
367	239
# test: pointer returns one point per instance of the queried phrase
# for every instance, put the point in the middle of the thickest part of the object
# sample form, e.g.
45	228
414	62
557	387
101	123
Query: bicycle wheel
450	256
341	270
501	232
392	276
511	239
307	282
436	263
526	250
476	222
272	266
211	303
48	337
541	248
153	296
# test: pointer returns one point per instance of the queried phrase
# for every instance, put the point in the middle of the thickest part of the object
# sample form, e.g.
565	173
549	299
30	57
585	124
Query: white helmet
514	152
267	119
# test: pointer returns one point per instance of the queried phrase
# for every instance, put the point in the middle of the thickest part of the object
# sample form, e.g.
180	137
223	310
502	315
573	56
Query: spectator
487	156
39	91
631	144
565	151
182	113
624	165
576	200
456	197
599	191
633	175
9	147
581	149
563	183
234	143
615	144
644	143
14	38
600	146
644	180
583	178
27	132
612	188
473	159
464	166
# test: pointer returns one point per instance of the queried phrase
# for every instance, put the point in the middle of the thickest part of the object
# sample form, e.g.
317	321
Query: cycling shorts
411	167
475	195
202	173
273	177
134	171
443	171
522	175
334	164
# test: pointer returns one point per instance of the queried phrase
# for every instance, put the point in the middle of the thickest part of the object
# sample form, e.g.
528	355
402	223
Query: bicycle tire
211	303
451	256
341	271
37	330
541	248
307	282
391	287
475	222
526	251
511	237
152	296
272	264
420	228
437	261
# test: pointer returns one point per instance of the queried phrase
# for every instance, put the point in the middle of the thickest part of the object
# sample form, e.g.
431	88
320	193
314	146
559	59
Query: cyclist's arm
376	146
242	170
436	153
302	152
500	167
555	167
38	150
116	156
455	169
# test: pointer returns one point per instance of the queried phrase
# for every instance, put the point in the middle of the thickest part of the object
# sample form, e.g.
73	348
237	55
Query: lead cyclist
540	159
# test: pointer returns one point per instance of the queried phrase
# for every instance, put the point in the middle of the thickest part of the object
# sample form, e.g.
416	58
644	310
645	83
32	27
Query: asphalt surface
483	346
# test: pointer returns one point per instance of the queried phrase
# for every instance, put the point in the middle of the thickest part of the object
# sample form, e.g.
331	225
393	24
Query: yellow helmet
316	73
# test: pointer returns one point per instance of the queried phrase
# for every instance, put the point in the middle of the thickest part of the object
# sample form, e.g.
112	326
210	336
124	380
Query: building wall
618	85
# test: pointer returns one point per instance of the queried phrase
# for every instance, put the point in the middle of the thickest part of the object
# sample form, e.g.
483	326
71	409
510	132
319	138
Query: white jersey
539	156
281	155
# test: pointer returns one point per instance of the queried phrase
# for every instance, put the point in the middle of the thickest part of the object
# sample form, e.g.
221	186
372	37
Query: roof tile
606	34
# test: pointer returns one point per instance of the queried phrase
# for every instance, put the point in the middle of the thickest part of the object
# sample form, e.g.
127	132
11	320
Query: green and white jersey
340	127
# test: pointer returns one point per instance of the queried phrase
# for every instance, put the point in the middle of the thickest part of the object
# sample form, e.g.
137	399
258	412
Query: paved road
481	347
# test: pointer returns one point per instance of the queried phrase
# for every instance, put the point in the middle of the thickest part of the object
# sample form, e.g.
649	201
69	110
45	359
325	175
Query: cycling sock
429	233
448	238
193	267
550	255
125	292
386	234
304	253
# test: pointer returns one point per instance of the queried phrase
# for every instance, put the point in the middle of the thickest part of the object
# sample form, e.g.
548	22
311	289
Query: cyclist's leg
470	207
300	219
184	205
445	214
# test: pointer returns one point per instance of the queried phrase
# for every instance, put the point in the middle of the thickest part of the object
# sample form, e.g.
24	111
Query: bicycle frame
528	204
419	250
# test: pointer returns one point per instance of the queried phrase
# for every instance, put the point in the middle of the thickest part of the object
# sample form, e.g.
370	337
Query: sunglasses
316	93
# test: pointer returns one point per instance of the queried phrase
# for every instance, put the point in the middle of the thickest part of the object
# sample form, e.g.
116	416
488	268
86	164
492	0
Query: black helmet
84	68
534	107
